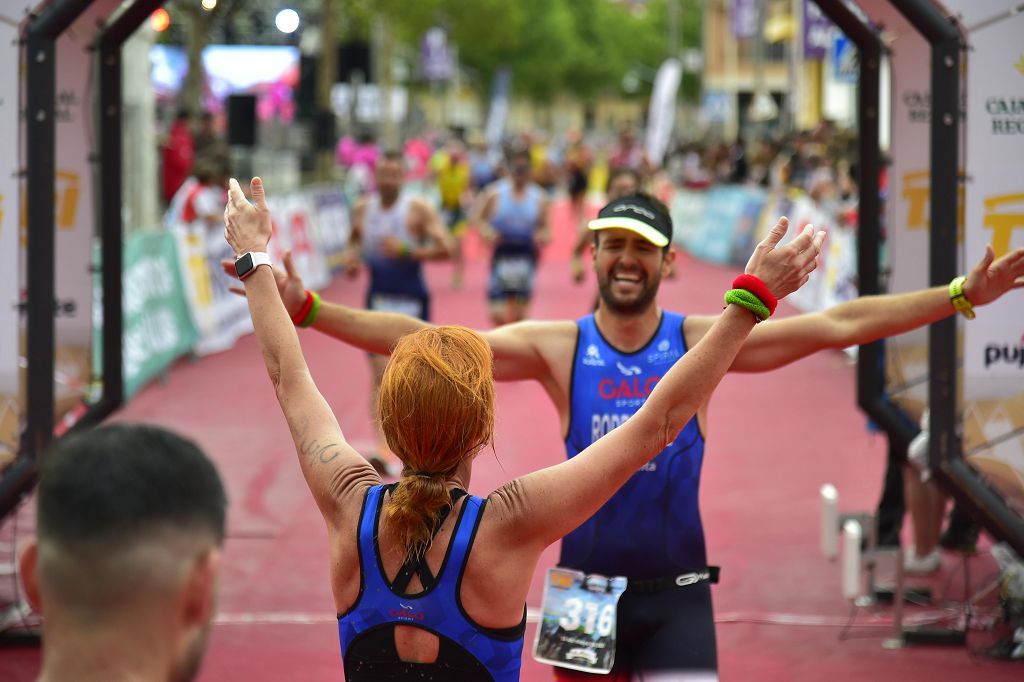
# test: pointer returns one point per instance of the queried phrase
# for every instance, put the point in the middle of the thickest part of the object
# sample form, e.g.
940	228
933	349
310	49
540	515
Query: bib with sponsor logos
651	526
513	273
577	628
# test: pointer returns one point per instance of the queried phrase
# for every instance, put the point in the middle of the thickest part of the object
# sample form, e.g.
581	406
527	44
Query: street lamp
287	21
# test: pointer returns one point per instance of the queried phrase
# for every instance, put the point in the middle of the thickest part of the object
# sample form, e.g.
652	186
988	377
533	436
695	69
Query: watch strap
258	258
959	299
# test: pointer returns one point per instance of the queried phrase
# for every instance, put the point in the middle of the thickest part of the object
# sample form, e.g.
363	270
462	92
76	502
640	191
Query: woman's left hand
247	227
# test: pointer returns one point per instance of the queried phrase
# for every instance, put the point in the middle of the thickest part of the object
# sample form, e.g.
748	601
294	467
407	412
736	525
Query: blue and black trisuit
396	284
650	530
514	263
468	651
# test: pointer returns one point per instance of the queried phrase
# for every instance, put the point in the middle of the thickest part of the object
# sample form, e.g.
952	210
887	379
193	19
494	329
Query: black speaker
242	120
352	57
324	136
305	95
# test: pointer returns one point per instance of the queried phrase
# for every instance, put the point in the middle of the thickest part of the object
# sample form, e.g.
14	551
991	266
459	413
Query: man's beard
631	308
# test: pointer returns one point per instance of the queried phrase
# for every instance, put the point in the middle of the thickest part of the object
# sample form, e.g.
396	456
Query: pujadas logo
1005	354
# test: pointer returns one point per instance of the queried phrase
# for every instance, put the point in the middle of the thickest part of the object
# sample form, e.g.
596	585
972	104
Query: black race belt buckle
705	575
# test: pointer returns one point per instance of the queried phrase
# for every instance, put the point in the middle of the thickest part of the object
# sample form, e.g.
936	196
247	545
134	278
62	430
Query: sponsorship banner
220	317
687	210
294	218
994	341
10	209
906	207
313	224
10	242
75	211
158	326
993	383
331	227
818	31
724	209
745	19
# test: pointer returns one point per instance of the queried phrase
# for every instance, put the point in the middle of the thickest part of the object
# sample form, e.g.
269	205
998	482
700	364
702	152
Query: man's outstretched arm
516	347
866	319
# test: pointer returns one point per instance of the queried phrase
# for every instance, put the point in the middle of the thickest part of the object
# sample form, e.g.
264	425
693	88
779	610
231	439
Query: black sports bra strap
418	566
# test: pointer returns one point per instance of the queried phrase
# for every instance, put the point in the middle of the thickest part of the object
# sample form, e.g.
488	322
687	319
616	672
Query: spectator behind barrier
124	567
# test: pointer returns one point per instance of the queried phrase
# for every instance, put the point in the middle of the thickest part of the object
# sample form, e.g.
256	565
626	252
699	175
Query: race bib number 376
577	628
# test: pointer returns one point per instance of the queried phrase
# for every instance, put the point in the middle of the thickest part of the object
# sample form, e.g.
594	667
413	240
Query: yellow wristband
959	299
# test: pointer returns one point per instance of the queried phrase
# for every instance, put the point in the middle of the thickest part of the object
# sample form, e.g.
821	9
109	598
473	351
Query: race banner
994	341
158	327
75	215
332	226
219	315
294	217
993	383
10	206
907	201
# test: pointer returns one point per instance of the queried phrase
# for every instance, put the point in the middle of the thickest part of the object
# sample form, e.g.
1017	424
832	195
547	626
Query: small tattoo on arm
316	451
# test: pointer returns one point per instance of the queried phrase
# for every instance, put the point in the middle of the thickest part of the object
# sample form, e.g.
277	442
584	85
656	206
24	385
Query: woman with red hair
429	581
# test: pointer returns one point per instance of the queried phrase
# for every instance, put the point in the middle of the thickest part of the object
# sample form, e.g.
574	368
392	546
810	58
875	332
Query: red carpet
759	498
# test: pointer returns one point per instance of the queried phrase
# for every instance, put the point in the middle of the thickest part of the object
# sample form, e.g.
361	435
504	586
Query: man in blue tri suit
599	369
393	233
513	217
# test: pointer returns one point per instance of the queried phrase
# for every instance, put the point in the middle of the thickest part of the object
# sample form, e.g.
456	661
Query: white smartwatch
247	263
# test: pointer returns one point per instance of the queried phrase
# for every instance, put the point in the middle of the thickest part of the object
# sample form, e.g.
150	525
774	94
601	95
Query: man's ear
29	568
199	593
668	261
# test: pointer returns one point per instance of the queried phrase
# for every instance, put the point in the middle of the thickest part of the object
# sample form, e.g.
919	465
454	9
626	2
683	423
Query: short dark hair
392	155
519	154
115	485
618	173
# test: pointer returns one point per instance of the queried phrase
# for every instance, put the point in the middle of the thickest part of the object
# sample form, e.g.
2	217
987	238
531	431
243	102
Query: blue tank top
651	527
396	276
516	220
438	609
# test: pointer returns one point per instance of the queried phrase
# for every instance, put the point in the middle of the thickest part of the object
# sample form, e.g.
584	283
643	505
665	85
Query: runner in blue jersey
429	582
665	623
392	234
513	217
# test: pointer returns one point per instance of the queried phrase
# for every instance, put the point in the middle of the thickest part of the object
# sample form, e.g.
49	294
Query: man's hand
785	269
289	284
992	278
247	227
393	247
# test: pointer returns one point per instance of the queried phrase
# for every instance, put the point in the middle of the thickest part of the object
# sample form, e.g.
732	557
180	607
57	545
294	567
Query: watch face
243	266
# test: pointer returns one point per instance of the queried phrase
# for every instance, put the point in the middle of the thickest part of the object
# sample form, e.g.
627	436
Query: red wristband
754	285
307	305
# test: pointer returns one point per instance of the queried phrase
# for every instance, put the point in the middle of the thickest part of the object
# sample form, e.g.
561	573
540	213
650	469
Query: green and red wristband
307	314
757	287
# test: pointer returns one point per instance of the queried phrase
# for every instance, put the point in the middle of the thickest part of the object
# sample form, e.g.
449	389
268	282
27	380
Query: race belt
704	575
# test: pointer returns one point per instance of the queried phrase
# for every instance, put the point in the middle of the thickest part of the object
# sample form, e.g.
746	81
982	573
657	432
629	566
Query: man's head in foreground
124	568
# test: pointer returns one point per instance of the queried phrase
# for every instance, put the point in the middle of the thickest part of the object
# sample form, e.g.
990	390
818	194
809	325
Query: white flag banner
662	113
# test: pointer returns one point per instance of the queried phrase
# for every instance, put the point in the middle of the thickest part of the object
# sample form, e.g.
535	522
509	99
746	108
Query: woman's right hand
784	269
289	284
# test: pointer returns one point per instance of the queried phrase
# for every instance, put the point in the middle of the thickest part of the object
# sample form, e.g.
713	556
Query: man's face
389	177
629	270
521	170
